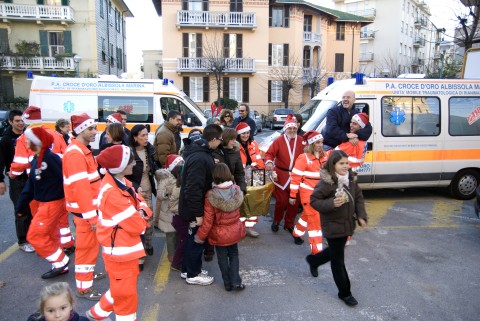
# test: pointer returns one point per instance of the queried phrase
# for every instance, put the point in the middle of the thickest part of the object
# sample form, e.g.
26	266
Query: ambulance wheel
464	184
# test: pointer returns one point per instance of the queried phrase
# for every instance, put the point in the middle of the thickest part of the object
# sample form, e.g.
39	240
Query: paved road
417	260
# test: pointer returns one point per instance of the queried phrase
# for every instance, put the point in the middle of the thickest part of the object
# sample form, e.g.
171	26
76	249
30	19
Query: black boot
313	269
274	227
55	272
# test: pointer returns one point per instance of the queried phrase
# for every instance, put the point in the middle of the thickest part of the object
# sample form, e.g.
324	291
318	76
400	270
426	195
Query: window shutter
185	44
284	91
233	6
269	16
186	85
3	41
226	45
8	1
269	54
239	45
245	88
44	43
205	5
65	2
40	2
67	41
269	91
206	89
285	54
226	87
199	45
239	5
339	61
286	16
184	4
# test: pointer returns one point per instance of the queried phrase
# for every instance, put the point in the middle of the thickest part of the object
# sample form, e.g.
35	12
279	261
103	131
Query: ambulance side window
464	116
169	103
410	116
138	109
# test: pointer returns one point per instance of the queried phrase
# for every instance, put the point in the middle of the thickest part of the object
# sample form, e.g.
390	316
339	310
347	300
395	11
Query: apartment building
256	51
400	40
61	37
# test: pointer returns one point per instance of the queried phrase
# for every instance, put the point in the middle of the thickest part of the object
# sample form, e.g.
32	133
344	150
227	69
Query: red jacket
120	223
305	175
221	219
356	153
254	153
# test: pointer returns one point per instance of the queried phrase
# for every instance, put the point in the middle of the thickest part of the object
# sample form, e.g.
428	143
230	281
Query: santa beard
291	136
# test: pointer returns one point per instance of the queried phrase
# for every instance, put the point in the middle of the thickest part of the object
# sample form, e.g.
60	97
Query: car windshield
308	109
316	119
193	104
284	111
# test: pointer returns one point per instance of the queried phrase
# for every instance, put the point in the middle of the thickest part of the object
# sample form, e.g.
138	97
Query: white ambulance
426	132
146	101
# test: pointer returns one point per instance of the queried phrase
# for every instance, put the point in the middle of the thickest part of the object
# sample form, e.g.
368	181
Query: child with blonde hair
56	304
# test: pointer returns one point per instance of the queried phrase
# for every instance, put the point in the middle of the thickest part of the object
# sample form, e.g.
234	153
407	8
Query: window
277	55
340	30
54	2
279	16
119	58
464	116
112	56
192	45
232	45
306	58
339	62
104	51
141	108
235	89
3	41
307	23
401	46
196	89
410	116
195	5
276	91
401	27
236	5
110	14
56	43
170	103
102	13
117	20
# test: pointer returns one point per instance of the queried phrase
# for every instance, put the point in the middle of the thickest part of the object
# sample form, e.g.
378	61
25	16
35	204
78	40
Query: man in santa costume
356	152
81	182
281	156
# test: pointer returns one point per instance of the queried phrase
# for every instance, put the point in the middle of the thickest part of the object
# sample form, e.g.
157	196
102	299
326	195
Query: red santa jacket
356	153
120	222
81	180
305	175
283	154
23	156
254	153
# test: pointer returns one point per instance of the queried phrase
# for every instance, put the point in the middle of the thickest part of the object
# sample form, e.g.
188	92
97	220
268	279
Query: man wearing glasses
244	116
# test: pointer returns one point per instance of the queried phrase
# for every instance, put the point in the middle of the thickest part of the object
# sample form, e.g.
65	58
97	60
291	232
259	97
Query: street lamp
76	60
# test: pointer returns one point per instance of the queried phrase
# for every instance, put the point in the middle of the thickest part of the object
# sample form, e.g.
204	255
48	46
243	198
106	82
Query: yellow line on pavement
151	313
415	226
443	211
377	210
8	252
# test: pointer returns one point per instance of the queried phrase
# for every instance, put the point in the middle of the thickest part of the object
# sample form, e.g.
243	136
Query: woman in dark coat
340	202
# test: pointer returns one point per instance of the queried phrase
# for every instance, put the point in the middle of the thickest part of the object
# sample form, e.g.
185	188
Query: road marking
377	210
8	252
151	313
443	211
160	280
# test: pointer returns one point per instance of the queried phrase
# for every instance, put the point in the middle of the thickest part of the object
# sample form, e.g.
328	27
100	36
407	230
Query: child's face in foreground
341	167
57	308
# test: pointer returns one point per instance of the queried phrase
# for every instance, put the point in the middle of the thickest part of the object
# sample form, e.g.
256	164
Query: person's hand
199	220
139	190
269	166
338	201
216	161
292	201
3	188
351	135
362	222
354	141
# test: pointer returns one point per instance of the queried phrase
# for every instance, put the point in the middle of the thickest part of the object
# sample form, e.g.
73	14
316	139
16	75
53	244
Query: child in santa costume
123	216
356	153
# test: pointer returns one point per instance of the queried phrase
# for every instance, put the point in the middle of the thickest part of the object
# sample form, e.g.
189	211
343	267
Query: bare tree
290	77
469	23
215	61
312	78
389	65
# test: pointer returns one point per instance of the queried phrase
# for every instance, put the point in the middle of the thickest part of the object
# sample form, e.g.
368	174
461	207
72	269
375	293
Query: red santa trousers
122	297
86	254
281	203
42	233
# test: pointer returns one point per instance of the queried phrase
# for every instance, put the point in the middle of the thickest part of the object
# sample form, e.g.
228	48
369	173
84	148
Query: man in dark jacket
196	181
337	130
244	116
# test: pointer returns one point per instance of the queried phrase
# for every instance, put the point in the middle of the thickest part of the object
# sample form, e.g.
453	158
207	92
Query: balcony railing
417	62
366	56
419	41
312	37
420	22
367	34
10	11
216	19
36	63
367	13
205	64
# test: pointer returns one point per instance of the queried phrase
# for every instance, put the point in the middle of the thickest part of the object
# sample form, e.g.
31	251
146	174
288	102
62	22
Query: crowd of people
198	187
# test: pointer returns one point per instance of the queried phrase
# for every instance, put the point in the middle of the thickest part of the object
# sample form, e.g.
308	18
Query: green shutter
206	89
186	85
44	43
226	87
40	2
4	41
65	2
67	41
245	94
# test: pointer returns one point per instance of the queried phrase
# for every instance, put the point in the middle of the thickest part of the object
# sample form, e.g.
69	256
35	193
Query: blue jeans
229	264
193	254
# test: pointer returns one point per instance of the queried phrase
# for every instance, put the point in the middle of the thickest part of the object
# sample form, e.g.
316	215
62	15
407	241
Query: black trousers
335	253
22	223
229	264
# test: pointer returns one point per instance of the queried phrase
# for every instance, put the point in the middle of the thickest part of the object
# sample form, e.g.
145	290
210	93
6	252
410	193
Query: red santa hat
312	136
172	161
39	136
114	158
32	115
291	121
361	119
242	128
81	122
115	118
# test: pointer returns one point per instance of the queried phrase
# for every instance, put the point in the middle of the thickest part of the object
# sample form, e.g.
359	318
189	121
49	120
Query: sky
144	31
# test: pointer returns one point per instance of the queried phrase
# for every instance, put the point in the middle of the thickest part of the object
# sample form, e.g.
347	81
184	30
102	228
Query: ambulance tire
464	184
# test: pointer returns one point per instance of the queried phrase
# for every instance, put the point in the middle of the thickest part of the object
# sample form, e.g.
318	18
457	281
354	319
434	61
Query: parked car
256	117
3	121
208	113
477	202
277	117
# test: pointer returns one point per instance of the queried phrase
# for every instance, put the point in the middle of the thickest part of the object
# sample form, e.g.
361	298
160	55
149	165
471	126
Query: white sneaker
91	317
184	274
200	280
251	232
26	247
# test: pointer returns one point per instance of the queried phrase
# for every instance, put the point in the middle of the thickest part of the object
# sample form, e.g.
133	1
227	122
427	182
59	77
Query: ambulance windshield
318	114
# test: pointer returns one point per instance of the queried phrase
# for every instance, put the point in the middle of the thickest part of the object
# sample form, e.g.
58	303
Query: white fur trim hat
32	115
291	121
115	118
312	136
81	122
114	158
242	127
361	119
172	161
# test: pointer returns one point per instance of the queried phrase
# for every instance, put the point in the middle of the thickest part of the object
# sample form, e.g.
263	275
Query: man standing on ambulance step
81	182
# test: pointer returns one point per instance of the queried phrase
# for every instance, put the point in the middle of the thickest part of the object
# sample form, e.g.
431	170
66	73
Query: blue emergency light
165	81
29	74
359	78
330	81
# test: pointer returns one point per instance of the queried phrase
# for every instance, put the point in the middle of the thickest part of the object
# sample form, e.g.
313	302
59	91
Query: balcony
367	34
312	38
420	22
417	62
366	56
419	42
216	19
232	65
21	12
367	13
12	63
